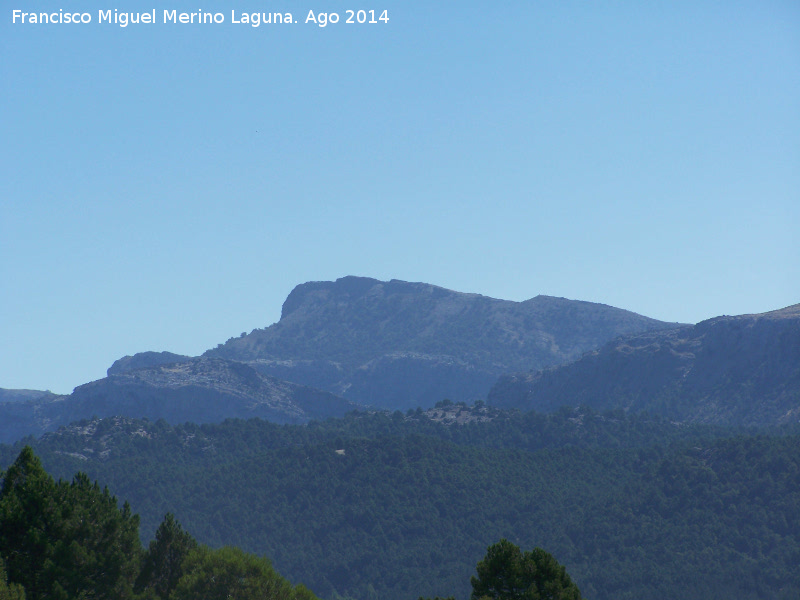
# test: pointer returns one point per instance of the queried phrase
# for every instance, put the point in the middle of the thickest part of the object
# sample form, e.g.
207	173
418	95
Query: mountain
727	370
144	359
23	395
396	344
392	344
199	390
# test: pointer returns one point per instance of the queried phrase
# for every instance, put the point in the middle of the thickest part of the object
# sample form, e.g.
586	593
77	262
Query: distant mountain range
201	390
728	370
358	342
399	345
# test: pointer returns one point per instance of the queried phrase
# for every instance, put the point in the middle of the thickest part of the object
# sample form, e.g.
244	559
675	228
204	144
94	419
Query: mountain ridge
144	359
199	390
361	331
9	395
742	369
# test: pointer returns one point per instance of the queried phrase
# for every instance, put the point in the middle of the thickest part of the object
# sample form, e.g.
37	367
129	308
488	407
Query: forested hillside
727	370
394	506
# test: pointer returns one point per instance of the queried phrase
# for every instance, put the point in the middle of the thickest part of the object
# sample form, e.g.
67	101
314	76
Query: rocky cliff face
727	370
142	360
397	344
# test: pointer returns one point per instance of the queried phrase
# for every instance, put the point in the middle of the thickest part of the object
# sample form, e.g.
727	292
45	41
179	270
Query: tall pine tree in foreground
162	566
27	514
65	540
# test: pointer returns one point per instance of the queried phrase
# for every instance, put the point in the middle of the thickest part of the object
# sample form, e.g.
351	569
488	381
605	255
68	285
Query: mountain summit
398	345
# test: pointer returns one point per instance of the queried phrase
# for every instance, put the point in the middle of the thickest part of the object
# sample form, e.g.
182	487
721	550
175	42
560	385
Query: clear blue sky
164	187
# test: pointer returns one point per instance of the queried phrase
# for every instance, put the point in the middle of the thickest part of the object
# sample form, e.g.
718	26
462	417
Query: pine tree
9	591
65	540
162	565
28	515
231	573
506	573
98	548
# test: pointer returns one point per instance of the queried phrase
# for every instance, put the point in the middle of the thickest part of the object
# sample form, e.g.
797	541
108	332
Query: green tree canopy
507	573
230	573
162	566
65	540
27	509
9	591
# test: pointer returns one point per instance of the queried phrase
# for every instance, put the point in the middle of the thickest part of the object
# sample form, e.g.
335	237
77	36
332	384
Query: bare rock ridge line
144	359
400	345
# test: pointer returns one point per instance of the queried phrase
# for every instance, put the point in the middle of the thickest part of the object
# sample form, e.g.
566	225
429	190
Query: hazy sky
165	186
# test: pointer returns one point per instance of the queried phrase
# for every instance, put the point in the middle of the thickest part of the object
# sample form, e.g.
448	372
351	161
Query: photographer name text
173	17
